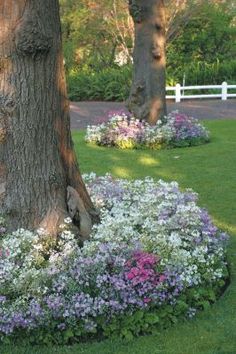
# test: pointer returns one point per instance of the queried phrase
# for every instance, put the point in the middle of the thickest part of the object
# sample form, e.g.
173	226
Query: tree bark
37	160
147	96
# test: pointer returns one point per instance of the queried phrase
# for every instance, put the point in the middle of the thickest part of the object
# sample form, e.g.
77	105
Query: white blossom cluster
163	220
126	132
23	254
154	216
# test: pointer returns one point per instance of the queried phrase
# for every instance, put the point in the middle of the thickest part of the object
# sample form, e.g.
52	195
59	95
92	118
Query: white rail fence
179	90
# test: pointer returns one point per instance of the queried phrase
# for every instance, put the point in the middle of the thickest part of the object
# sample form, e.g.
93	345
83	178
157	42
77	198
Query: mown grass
211	171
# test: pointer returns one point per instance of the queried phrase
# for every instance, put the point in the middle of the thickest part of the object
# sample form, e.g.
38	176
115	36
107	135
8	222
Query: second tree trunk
147	96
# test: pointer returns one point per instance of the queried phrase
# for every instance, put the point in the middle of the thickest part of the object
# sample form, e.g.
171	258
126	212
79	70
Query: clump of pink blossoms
142	268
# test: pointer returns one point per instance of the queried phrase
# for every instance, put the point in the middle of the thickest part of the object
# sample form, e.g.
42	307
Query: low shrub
126	132
113	84
155	258
203	73
106	85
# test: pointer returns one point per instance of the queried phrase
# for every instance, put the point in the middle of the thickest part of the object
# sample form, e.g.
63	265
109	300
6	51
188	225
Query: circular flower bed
126	132
155	258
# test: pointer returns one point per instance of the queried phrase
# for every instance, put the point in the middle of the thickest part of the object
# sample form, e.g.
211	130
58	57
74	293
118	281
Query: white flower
68	220
41	231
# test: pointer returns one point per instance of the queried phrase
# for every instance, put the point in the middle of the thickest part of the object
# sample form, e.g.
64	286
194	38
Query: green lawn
211	171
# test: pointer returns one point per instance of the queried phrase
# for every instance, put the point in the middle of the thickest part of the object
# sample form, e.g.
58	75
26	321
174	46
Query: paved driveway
84	113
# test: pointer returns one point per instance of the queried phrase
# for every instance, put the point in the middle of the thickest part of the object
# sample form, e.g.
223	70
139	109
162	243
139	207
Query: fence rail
180	92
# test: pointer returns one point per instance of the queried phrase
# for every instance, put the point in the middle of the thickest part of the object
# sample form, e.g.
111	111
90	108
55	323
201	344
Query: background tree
207	36
98	36
94	33
147	96
39	174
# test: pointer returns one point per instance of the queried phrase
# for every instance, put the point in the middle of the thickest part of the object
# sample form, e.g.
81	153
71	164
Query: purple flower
3	299
61	326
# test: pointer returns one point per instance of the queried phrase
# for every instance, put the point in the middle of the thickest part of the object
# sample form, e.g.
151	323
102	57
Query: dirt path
84	113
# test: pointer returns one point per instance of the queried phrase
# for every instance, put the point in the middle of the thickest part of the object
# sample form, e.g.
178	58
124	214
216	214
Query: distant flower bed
155	258
126	132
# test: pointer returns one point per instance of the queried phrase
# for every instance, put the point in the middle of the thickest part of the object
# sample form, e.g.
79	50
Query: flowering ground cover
154	257
126	132
210	170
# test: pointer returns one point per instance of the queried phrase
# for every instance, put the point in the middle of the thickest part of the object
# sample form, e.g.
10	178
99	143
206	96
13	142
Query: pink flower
128	263
162	278
132	273
142	269
144	258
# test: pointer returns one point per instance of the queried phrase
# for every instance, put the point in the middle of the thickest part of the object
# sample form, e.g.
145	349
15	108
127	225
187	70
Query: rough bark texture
147	95
37	160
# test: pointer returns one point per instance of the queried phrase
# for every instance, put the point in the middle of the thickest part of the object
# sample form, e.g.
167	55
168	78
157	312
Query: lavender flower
153	245
124	131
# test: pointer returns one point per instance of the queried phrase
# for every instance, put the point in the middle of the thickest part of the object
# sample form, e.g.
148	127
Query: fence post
224	91
177	93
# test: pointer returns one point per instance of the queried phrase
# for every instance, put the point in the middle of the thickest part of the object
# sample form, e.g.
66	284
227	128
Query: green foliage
204	50
113	84
189	142
126	326
108	85
94	32
208	37
202	73
152	321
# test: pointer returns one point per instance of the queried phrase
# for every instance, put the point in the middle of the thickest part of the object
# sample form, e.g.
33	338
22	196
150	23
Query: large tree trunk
37	160
147	96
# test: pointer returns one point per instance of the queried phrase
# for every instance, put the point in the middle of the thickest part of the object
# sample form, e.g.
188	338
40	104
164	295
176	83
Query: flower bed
155	258
126	132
